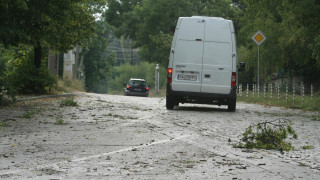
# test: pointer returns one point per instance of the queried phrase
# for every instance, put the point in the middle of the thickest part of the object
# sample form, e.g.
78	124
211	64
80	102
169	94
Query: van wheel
170	102
232	105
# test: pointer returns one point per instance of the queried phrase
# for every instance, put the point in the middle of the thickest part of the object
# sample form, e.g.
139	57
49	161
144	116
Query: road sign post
258	38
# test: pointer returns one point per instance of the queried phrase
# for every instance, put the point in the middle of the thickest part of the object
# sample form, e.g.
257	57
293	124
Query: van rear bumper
203	98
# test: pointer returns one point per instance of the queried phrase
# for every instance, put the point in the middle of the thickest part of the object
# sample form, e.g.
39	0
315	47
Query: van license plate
187	77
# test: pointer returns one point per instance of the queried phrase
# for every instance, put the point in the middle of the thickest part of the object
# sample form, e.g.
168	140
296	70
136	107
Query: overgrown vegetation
25	40
68	102
24	77
268	135
18	75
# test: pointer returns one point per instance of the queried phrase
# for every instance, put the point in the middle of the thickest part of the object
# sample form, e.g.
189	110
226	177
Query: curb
45	97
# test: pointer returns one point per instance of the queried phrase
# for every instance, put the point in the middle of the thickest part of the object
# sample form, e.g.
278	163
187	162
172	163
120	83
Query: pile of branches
268	135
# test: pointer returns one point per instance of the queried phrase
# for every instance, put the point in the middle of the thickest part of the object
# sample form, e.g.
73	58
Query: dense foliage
7	92
97	62
18	75
292	46
56	24
151	23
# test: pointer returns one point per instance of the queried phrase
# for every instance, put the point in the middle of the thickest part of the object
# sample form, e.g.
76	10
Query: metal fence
277	91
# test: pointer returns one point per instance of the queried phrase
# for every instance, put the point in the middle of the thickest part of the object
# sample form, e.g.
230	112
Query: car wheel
232	105
170	102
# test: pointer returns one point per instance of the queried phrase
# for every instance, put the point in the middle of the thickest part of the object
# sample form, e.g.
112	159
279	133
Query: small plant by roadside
268	135
68	102
115	116
316	117
60	121
28	115
305	147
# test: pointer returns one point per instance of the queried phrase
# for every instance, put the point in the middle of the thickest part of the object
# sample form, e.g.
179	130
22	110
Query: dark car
136	87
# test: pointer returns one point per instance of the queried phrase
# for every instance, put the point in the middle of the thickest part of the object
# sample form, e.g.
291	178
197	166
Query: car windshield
137	83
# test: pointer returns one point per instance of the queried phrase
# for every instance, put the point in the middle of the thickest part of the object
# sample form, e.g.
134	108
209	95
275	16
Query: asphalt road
120	137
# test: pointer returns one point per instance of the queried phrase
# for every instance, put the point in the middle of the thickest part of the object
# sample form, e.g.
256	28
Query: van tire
170	102
232	105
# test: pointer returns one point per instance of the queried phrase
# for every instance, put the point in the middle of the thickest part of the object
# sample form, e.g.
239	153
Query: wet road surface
120	137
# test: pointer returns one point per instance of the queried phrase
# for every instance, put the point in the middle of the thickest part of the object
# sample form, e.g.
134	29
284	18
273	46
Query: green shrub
7	92
25	77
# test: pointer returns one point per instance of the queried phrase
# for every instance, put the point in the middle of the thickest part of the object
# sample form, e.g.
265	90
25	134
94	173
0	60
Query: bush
26	78
7	92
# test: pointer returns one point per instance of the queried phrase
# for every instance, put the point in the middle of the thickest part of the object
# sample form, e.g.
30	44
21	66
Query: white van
203	63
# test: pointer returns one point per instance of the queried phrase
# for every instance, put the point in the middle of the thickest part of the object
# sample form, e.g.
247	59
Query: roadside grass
162	93
66	86
68	102
306	105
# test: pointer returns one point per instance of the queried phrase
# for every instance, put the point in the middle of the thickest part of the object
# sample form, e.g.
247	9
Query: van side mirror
242	66
124	84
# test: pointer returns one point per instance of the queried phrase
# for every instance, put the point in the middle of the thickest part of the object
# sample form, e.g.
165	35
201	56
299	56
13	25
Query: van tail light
234	79
170	75
128	87
147	88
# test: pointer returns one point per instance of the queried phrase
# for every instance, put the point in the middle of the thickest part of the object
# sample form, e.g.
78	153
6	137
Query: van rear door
187	55
217	57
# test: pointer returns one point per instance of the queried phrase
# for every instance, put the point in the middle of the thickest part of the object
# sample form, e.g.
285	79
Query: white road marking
91	157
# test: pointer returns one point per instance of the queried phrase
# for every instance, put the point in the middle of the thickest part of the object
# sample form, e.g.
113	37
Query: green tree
151	23
56	24
97	62
292	46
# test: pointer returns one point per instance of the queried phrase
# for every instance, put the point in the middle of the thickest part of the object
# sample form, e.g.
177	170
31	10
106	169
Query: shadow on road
203	109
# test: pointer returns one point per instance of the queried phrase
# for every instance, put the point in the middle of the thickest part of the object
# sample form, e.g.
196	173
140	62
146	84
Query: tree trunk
37	55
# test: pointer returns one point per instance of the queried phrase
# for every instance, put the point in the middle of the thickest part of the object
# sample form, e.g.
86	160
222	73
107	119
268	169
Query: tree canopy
292	47
56	24
151	23
293	42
